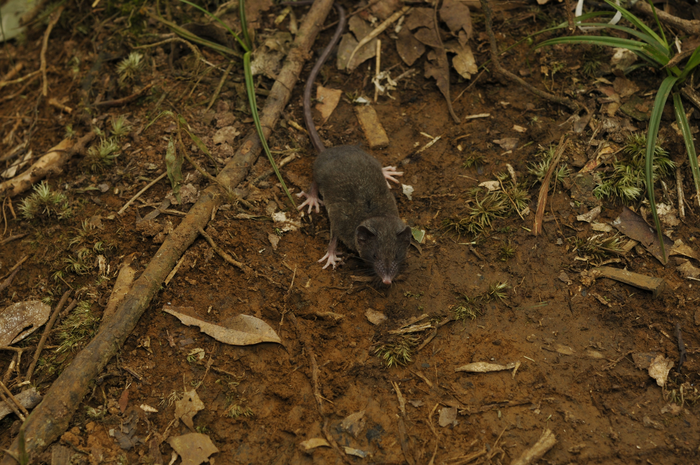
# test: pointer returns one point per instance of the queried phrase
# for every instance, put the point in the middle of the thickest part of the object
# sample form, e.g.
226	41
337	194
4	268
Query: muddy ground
576	342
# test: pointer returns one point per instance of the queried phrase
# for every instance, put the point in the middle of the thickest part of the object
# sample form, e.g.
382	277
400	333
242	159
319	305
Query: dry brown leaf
457	16
463	62
241	330
327	101
187	407
193	448
659	369
420	17
408	47
633	226
426	35
349	42
484	367
313	443
21	319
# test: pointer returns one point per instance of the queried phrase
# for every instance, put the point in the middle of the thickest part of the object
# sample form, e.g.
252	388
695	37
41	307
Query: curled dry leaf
21	319
313	443
241	330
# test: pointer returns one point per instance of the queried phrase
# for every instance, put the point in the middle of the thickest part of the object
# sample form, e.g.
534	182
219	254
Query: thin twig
227	258
544	188
6	283
47	330
55	16
16	266
217	91
12	238
122	101
18	80
139	193
11	402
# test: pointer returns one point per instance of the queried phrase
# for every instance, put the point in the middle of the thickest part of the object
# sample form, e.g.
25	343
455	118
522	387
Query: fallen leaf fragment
193	448
375	317
356	452
313	443
407	191
274	240
590	216
564	350
408	47
590	353
187	407
679	248
327	101
354	423
463	62
507	143
485	367
448	416
241	330
21	319
687	270
633	226
491	185
457	16
349	43
659	369
148	408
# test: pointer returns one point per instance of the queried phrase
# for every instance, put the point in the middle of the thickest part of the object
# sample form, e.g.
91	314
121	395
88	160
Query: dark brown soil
574	342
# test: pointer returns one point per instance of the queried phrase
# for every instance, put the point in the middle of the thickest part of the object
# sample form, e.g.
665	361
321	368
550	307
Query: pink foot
389	172
312	199
331	256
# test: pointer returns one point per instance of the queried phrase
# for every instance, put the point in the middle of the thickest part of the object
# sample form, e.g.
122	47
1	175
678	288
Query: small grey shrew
354	188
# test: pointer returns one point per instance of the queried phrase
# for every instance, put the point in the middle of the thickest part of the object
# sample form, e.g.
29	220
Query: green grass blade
692	63
240	41
688	139
244	24
656	18
657	58
652	134
636	22
250	90
632	45
662	48
187	35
